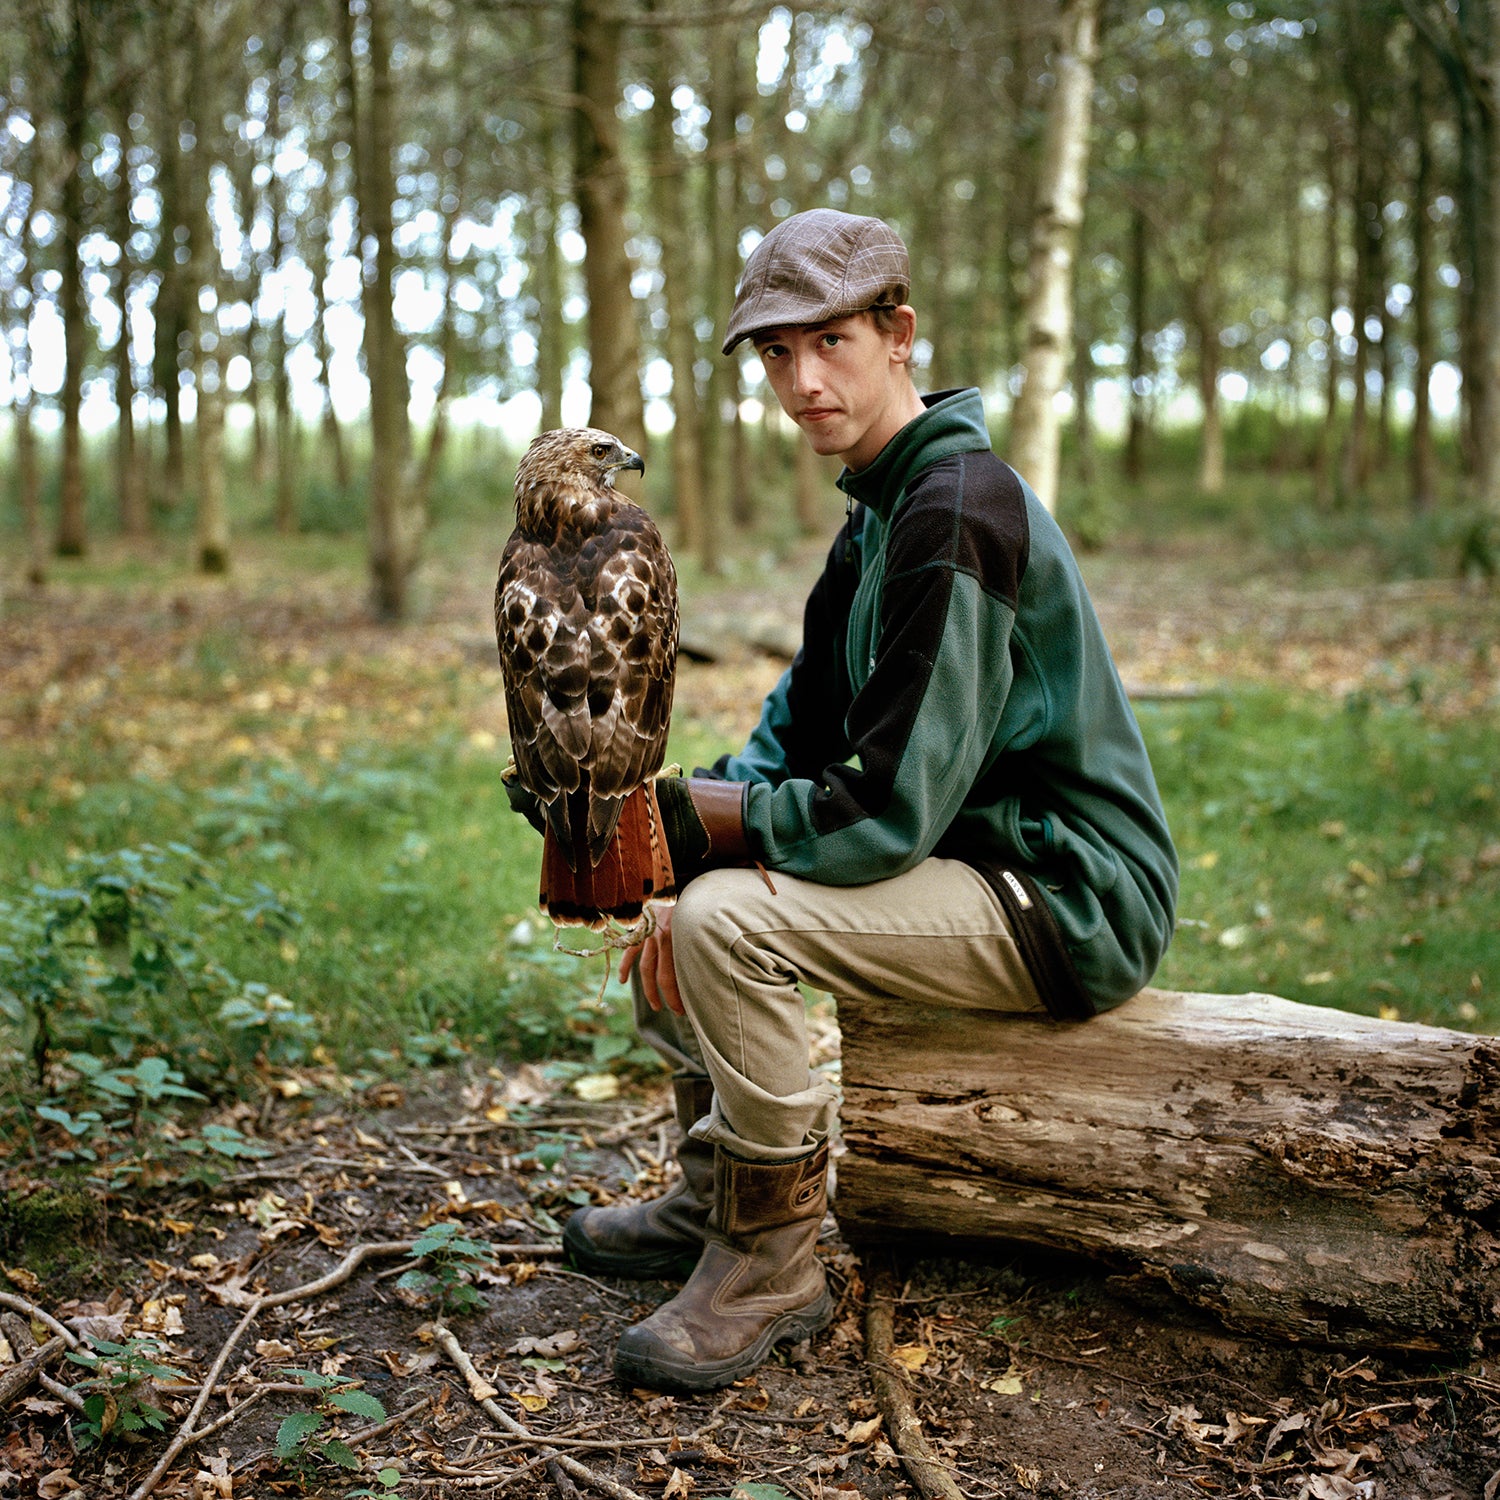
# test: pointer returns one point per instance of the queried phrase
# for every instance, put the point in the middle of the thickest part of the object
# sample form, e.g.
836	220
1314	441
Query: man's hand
658	973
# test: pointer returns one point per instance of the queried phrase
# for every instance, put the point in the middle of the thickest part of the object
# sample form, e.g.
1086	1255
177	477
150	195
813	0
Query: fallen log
1298	1172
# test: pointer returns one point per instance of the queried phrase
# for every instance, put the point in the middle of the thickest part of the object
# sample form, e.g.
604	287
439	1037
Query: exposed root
484	1396
894	1398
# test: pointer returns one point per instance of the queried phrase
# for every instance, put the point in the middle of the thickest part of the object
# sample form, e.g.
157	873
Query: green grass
1344	854
405	869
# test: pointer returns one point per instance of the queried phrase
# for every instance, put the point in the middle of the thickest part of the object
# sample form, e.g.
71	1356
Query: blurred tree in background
384	223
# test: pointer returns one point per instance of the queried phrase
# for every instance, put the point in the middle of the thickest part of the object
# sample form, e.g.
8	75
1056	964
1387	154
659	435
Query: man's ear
904	333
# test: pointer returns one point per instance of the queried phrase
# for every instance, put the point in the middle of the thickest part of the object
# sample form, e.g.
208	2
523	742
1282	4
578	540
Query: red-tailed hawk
586	623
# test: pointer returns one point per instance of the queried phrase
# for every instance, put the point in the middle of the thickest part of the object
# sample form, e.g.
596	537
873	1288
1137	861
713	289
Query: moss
51	1229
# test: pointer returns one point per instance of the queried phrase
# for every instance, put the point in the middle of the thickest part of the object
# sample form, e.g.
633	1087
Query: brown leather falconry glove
704	823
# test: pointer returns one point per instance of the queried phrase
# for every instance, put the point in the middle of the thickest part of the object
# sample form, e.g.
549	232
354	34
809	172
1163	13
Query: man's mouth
818	413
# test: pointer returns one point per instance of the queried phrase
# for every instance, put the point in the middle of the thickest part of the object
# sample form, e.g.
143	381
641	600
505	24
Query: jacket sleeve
921	730
801	726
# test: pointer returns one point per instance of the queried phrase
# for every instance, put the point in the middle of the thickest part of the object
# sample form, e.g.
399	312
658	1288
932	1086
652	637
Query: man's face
842	382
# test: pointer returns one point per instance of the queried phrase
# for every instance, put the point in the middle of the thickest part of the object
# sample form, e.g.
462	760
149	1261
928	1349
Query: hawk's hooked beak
631	460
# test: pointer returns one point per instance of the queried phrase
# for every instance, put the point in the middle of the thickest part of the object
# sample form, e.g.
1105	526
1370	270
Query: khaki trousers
935	934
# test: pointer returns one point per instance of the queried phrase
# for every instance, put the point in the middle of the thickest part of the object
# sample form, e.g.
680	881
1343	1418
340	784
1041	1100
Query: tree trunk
395	523
1487	357
72	530
27	180
1366	308
1139	289
811	487
547	265
286	430
1211	465
722	268
208	425
669	204
1034	437
743	510
1423	453
1083	396
1323	457
1289	451
437	436
170	310
130	491
28	484
1207	304
600	188
316	250
1298	1172
720	271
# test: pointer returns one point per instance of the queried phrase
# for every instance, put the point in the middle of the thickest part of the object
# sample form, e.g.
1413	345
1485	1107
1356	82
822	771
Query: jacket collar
953	423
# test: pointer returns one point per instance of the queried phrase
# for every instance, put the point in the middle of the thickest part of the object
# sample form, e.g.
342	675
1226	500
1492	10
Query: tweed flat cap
817	266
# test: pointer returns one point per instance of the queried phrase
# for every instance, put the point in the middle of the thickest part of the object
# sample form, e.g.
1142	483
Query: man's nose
806	377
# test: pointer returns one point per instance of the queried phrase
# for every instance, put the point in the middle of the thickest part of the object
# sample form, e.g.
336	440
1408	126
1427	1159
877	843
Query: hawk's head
578	454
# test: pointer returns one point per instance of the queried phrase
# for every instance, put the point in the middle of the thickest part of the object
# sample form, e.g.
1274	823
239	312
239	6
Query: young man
947	792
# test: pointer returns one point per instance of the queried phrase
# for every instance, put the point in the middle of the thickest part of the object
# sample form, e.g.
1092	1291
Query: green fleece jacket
954	695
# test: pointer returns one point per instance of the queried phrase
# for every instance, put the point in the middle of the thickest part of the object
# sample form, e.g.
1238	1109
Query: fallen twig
378	1249
606	1137
232	1415
631	1126
487	1403
369	1434
564	1486
598	1286
894	1398
21	1374
31	1310
185	1432
63	1392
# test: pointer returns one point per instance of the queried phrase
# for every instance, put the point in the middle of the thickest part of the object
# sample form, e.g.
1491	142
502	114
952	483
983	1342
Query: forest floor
1031	1376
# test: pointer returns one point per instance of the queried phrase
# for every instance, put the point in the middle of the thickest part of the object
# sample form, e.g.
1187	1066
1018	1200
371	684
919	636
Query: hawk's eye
600	450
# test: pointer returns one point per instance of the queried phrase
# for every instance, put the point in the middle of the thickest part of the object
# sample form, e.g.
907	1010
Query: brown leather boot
757	1284
654	1238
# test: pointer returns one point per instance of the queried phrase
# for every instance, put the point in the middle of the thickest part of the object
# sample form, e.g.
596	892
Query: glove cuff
720	806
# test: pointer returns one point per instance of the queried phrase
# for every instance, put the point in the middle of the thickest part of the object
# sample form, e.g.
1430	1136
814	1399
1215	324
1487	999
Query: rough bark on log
1298	1172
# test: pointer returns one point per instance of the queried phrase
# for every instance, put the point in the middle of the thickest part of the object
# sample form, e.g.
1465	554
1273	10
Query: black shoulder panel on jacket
968	511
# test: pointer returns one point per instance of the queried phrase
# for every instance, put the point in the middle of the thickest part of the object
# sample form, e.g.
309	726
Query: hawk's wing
588	651
632	667
544	660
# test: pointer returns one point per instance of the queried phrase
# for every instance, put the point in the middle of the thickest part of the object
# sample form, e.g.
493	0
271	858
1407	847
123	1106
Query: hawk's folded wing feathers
586	623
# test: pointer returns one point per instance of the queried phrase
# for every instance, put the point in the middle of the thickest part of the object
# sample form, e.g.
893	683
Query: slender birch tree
1035	441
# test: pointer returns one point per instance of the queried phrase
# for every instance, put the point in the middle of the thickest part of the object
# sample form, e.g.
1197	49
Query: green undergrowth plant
449	1260
118	1018
120	963
120	1389
301	1438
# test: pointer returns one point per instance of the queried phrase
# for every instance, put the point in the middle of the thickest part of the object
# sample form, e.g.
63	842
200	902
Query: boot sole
588	1257
660	1372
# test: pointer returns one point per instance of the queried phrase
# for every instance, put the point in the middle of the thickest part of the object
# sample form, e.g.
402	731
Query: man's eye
830	339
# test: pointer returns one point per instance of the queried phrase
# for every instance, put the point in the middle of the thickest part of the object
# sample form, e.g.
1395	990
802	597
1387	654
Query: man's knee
717	908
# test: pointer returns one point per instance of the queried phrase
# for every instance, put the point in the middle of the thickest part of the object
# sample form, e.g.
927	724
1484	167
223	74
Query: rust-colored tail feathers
634	867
